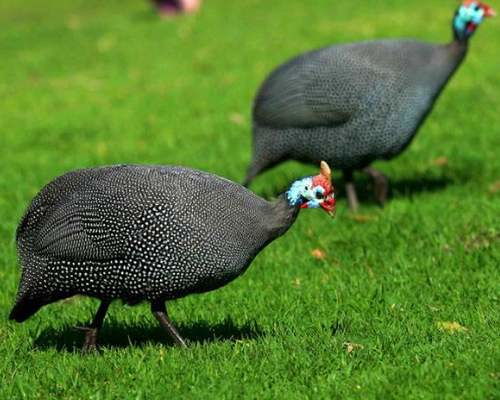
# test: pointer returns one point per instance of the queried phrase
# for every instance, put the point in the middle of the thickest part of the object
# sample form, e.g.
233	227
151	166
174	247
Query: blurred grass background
397	303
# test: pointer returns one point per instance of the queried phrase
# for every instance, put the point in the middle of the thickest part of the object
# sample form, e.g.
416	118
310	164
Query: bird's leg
350	189
380	184
160	312
90	342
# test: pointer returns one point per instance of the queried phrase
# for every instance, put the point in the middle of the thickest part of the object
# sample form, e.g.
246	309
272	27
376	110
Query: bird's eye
319	195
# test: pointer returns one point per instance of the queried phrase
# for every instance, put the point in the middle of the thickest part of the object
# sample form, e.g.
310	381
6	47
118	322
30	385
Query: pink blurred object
169	8
190	6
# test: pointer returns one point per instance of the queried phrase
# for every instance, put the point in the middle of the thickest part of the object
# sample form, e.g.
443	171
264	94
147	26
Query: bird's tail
268	150
25	308
29	300
252	172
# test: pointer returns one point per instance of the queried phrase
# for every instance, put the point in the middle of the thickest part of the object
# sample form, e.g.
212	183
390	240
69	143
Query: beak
488	11
329	205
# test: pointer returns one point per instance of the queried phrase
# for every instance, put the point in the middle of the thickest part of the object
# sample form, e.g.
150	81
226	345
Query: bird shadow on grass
119	335
406	187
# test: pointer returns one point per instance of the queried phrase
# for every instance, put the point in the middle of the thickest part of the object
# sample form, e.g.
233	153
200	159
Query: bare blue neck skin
466	20
295	194
304	191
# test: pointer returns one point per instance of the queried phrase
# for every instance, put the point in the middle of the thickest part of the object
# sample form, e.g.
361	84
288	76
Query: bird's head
469	16
313	191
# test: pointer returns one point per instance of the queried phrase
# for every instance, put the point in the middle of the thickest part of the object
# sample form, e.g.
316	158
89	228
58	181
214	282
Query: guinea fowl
352	104
153	233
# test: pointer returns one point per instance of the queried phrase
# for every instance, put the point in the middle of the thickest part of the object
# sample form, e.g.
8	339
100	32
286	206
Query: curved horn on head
325	170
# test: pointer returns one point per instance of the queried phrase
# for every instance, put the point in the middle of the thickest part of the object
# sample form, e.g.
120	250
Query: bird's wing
85	227
313	89
283	102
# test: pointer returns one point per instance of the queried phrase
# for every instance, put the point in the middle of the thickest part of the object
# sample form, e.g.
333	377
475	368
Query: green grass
88	83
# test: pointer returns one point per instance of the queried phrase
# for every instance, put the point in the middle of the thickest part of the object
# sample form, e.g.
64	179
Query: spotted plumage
137	233
352	104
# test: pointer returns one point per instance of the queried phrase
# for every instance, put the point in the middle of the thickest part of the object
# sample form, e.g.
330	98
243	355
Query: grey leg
90	342
350	189
380	184
160	312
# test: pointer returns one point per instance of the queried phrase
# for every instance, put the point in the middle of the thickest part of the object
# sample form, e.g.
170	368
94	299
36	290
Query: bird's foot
380	184
90	341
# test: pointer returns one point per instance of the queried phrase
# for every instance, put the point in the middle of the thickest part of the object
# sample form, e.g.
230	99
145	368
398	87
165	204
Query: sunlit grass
401	303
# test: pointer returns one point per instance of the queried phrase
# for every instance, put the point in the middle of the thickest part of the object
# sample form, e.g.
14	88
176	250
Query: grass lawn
402	302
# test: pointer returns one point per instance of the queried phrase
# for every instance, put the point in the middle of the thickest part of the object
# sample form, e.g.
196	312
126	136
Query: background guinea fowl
355	103
147	233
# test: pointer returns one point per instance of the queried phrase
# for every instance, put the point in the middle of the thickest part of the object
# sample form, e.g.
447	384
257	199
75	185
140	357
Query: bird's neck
281	216
452	57
456	52
458	46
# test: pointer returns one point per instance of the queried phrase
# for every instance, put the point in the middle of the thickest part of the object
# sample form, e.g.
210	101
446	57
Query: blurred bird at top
352	104
168	8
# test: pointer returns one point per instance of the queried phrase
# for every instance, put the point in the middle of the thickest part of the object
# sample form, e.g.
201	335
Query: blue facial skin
302	192
465	15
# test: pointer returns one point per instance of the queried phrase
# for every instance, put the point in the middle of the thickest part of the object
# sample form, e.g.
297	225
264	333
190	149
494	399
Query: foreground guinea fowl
355	103
151	233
